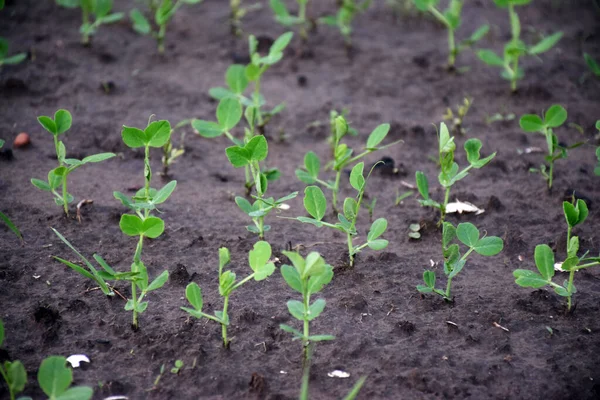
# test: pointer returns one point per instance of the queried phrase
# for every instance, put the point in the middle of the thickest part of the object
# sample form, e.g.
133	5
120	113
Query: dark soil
384	328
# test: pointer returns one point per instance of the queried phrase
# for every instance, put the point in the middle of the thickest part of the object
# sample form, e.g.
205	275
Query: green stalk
443	208
10	391
570	289
350	249
255	99
160	38
448	285
64	195
302	17
452	48
335	189
306	364
136	258
223	325
515	68
85	16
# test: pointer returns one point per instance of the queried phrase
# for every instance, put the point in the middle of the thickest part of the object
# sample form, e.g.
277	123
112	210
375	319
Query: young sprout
342	157
316	205
451	19
575	213
162	11
99	9
401	197
57	178
348	9
371	208
170	153
238	77
469	235
449	170
592	65
283	16
554	117
55	379
5	59
237	13
13	373
177	367
457	119
142	224
259	259
515	48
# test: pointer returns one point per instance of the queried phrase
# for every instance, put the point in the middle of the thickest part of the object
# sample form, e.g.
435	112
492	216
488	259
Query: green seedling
262	267
55	379
451	19
172	153
142	224
13	373
449	170
515	48
13	228
307	277
283	16
469	235
499	117
413	231
162	12
57	178
401	197
348	10
371	208
100	10
316	205
177	367
239	77
5	59
554	117
597	169
592	64
457	118
342	157
575	214
238	11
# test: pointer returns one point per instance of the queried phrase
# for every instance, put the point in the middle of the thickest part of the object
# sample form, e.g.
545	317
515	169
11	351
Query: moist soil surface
410	346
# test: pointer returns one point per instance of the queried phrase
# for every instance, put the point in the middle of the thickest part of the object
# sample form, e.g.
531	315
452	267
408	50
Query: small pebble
22	140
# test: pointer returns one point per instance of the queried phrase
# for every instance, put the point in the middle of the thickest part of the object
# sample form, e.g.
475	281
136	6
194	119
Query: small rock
22	140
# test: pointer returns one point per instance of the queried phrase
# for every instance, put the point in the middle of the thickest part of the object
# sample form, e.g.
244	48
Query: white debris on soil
76	359
463	207
338	374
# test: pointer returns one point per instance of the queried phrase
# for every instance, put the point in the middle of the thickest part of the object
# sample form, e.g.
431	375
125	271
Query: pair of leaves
258	259
133	225
139	201
258	64
229	114
59	124
312	167
55	379
255	150
282	14
304	270
298	311
469	235
576	213
378	227
554	117
156	134
544	261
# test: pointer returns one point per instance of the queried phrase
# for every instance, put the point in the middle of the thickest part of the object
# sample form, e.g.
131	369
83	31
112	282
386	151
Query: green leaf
194	295
571	213
257	148
479	34
592	64
531	123
583	211
296	308
350	208
422	184
291	330
544	261
357	179
133	137
78	392
490	58
291	277
297	260
448	234
237	156
489	246
315	202
48	124
63	121
472	148
158	282
54	377
13	60
377	136
527	278
546	43
158	133
314	266
316	282
378	227
377	244
97	158
1	333
132	225
229	113
236	78
259	255
429	279
244	205
17	376
163	194
312	164
315	309
555	116
11	225
281	43
207	129
468	234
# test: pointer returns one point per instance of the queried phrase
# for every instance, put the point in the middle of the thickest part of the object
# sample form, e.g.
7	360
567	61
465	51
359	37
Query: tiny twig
497	325
81	204
263	344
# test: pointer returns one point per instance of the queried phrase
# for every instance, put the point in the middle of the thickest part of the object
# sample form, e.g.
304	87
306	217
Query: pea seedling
554	117
259	261
316	205
597	169
99	9
162	11
13	372
592	64
283	16
348	10
5	59
575	213
238	77
515	48
237	13
171	153
142	224
457	119
469	235
449	170
57	177
308	277
342	157
451	19
55	379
